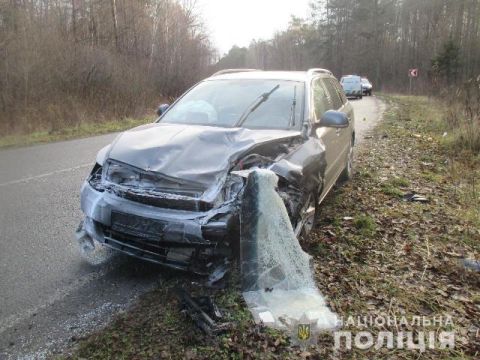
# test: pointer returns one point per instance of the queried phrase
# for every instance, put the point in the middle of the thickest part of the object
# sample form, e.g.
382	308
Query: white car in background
367	87
352	85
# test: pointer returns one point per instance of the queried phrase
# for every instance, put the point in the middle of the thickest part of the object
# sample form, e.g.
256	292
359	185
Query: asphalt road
48	295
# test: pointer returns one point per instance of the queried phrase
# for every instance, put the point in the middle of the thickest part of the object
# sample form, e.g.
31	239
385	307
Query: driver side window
320	100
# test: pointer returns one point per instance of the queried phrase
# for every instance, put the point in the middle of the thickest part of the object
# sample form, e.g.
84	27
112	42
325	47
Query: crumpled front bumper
186	240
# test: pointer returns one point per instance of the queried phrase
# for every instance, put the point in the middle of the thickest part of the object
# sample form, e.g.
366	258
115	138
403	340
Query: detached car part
203	312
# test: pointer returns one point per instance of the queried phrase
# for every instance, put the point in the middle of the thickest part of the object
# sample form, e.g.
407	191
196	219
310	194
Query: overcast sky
237	22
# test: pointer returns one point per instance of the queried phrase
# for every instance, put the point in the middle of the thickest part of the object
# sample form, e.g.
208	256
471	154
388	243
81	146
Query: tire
307	218
347	172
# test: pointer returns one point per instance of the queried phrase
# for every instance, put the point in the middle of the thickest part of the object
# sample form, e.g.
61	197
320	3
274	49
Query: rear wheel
348	170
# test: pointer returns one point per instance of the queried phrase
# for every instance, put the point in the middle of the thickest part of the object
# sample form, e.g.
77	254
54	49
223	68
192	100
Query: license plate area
138	226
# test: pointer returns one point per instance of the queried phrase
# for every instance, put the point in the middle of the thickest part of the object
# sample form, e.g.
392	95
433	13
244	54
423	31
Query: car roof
267	75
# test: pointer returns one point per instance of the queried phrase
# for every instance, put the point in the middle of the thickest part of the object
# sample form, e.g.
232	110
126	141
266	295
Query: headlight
121	175
95	178
134	178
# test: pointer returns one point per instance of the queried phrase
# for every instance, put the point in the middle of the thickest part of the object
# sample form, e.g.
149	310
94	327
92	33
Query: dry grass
83	129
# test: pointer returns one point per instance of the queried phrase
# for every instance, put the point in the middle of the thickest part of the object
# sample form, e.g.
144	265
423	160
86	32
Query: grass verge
373	253
83	129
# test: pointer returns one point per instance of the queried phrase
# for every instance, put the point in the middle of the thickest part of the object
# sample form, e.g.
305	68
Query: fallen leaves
409	264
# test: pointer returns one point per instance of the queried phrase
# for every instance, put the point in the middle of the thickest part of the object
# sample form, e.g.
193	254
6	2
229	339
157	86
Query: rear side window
340	91
320	99
333	94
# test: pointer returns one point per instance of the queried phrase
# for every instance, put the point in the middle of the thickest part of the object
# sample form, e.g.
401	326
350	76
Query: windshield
255	104
365	81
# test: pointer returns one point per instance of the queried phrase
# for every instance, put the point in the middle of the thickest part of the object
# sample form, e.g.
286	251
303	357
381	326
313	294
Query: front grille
139	245
165	201
177	255
138	226
145	251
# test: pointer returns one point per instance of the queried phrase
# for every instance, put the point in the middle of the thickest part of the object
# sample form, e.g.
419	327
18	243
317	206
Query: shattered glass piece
276	272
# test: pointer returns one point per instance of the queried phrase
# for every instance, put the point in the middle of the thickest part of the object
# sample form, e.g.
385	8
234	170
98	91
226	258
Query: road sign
413	72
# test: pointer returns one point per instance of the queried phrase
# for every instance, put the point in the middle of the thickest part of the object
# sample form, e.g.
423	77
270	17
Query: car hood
195	153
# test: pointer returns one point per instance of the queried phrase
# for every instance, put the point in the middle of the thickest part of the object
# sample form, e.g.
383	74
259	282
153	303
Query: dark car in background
170	192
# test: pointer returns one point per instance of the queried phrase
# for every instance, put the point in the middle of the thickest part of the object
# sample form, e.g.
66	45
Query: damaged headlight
95	178
120	174
136	179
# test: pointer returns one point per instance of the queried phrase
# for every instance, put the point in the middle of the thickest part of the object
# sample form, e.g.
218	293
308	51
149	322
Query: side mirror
162	108
333	119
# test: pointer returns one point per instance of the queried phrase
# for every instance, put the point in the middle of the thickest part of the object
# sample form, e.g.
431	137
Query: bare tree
67	61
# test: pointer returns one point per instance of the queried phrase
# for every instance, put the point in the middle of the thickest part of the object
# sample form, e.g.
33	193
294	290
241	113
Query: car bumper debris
203	312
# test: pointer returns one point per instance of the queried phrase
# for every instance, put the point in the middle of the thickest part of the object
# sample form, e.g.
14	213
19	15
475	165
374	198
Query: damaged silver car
171	192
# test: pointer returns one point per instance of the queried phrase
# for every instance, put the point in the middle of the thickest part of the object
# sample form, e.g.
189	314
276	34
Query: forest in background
64	62
67	61
380	39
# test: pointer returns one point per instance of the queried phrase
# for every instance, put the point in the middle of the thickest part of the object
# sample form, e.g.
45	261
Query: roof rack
313	71
231	71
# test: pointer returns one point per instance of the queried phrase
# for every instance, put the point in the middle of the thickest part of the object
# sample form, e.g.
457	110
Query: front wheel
307	218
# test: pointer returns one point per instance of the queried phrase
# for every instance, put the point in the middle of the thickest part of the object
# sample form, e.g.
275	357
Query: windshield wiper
294	105
255	105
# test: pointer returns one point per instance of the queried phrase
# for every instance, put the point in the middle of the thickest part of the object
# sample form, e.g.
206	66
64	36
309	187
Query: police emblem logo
303	332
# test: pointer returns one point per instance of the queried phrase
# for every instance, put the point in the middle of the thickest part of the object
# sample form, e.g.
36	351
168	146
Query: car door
345	135
321	103
339	149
